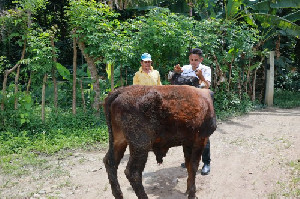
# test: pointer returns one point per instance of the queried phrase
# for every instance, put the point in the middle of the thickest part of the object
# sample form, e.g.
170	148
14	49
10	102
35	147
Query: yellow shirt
149	79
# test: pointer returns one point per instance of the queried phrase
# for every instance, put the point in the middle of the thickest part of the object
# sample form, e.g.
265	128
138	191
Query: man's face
195	60
146	66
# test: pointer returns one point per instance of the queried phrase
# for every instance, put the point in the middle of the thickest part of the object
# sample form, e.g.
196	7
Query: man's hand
177	69
202	79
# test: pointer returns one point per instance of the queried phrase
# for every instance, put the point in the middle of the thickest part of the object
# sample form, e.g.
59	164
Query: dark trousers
206	153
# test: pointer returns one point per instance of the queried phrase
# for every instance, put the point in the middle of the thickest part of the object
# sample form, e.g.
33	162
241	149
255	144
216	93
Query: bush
61	130
228	104
286	98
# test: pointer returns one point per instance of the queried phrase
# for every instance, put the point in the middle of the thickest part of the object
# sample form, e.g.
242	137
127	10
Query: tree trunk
94	76
17	87
253	85
126	77
229	74
29	83
112	77
6	74
239	84
82	96
248	77
190	4
219	76
277	49
53	72
43	97
74	76
121	79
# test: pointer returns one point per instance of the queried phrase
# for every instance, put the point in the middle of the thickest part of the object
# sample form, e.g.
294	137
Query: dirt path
251	158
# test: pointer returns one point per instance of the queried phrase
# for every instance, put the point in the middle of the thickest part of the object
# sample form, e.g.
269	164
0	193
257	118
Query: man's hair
197	51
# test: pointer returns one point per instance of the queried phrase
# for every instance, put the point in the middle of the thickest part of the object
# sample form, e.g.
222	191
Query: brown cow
156	118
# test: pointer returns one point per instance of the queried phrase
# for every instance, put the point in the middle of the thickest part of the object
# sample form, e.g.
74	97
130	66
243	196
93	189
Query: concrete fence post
269	92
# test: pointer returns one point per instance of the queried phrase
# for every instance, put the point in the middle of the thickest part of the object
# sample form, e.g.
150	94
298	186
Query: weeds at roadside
290	189
67	183
20	164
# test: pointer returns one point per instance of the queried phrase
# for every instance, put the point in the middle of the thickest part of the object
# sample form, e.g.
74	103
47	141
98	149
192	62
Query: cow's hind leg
136	164
112	160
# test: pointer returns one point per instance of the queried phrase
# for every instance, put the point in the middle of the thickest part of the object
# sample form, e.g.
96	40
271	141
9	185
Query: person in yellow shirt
146	74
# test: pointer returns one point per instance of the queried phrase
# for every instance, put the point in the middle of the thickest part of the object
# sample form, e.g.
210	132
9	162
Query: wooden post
269	94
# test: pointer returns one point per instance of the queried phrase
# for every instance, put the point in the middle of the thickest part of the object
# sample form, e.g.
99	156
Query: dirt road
253	156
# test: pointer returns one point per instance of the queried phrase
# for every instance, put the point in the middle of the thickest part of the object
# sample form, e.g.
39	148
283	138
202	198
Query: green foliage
271	21
165	35
232	8
293	16
266	13
230	104
13	31
63	71
41	58
60	131
286	98
287	78
94	24
3	64
32	5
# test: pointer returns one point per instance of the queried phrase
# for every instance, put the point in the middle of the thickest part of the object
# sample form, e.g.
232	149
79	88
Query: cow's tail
109	160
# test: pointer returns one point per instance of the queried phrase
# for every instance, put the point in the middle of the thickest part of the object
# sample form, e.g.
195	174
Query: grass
22	147
292	188
286	99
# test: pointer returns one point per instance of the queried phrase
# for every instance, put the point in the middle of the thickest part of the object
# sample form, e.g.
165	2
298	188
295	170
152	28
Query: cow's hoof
190	197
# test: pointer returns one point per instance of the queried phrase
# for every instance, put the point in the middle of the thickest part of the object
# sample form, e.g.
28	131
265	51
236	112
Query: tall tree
94	24
41	58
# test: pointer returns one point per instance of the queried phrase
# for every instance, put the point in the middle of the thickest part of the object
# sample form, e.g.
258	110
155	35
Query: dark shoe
205	169
183	165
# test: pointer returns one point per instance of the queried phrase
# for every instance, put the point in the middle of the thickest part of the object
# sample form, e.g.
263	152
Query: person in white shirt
195	65
196	69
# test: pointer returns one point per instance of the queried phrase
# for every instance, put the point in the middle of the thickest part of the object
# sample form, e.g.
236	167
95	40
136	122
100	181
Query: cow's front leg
187	151
192	169
136	164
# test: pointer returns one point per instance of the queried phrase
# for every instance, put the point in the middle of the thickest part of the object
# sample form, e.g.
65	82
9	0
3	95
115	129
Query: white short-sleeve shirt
188	71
